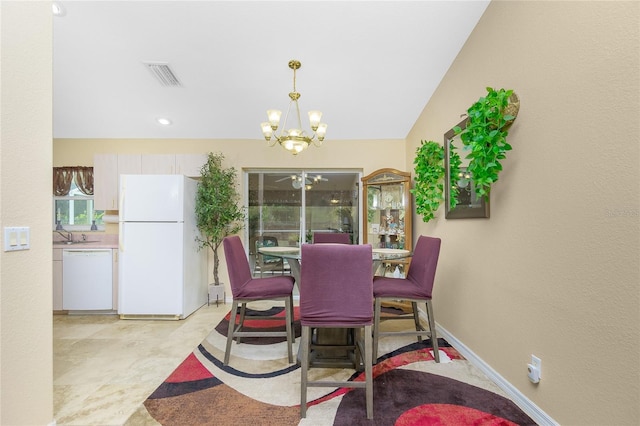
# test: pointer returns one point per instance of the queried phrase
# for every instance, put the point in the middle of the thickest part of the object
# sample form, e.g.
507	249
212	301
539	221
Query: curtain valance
63	176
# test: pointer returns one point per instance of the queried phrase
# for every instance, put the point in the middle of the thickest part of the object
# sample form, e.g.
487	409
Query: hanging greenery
485	136
454	175
429	176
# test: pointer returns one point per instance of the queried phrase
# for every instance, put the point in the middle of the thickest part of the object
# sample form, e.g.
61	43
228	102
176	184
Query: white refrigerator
161	271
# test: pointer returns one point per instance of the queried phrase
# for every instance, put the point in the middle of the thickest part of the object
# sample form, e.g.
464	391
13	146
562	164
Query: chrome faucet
68	236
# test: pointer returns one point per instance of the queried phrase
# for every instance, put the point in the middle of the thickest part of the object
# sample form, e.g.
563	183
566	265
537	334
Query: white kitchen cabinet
190	164
158	164
57	279
107	169
170	164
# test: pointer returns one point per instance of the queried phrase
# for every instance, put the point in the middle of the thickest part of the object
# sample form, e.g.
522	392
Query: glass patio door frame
306	175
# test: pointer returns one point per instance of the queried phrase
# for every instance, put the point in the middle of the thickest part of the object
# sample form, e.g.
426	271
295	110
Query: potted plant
485	136
217	212
428	182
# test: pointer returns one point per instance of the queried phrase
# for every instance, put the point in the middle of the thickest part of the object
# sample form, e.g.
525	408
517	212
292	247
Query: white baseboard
525	404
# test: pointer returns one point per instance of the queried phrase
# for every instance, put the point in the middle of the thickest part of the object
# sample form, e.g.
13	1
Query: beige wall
554	272
368	155
26	378
242	154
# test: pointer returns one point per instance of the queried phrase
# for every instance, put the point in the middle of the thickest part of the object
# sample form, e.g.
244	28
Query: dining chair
417	287
265	263
331	237
339	297
245	289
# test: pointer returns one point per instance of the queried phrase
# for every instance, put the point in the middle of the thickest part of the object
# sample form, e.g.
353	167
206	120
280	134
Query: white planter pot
216	294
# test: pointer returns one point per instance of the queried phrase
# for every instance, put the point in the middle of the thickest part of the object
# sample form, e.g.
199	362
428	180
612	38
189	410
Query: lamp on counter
294	140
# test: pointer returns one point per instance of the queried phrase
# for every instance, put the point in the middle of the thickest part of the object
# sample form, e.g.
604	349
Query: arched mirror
459	182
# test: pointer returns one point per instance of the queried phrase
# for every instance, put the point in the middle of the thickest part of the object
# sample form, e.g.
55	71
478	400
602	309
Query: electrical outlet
537	362
534	369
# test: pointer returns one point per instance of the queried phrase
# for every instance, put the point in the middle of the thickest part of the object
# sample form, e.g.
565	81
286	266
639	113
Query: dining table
292	256
334	338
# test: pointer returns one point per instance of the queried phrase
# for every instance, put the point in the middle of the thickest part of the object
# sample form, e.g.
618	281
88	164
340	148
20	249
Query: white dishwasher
87	279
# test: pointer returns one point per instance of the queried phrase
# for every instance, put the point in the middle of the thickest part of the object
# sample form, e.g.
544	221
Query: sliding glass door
291	205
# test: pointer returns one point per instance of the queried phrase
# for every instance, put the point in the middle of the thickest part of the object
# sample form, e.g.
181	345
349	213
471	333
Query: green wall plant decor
217	212
454	175
429	175
485	136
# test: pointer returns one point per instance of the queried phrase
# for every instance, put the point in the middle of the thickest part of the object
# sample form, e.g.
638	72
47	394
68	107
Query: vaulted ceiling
369	66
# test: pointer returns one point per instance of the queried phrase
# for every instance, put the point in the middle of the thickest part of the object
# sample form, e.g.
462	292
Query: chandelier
294	139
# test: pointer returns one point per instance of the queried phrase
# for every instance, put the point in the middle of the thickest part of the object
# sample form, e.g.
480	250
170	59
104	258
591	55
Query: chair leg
230	331
293	330
243	312
304	369
368	374
376	328
416	319
288	310
432	330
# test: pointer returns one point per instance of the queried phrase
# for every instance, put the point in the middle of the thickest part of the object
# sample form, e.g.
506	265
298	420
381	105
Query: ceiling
369	66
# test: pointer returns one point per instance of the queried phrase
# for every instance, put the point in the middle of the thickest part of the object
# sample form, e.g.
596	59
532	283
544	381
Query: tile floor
104	367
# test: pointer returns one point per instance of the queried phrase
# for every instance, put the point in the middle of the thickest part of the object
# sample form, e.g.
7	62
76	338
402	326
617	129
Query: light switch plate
16	238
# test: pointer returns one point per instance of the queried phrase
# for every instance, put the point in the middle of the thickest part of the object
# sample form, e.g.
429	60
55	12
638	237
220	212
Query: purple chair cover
331	237
416	287
336	285
246	289
243	285
419	281
336	290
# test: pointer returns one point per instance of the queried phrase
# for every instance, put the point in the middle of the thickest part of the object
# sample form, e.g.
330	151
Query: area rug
259	387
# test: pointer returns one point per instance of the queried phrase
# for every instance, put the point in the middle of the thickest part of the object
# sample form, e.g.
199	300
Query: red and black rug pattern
195	394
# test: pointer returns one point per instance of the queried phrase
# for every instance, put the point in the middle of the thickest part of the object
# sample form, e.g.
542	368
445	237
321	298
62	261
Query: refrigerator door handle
121	236
123	188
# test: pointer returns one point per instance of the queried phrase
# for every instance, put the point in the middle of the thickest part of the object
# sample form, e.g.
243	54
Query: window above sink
75	212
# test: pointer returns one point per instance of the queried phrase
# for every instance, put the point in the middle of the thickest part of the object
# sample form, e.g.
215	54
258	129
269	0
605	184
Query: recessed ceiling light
58	9
164	121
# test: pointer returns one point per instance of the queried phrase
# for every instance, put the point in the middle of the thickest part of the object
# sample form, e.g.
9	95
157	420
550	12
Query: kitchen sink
68	243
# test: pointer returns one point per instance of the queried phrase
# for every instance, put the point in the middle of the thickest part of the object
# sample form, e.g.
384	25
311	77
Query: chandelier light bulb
266	130
274	118
314	119
321	131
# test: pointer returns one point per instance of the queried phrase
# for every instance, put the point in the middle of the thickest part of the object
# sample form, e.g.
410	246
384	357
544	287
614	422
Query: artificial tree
217	211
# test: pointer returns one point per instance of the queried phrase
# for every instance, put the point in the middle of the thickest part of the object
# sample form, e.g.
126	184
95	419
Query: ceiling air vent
163	74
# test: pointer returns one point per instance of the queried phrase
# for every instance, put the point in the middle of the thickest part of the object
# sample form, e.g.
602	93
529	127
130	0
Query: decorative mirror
458	182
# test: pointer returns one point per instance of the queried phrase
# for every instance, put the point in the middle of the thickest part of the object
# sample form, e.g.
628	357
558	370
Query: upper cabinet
161	164
107	169
173	164
190	164
387	209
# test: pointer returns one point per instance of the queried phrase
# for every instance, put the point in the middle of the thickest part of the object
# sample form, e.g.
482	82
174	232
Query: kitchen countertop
93	241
